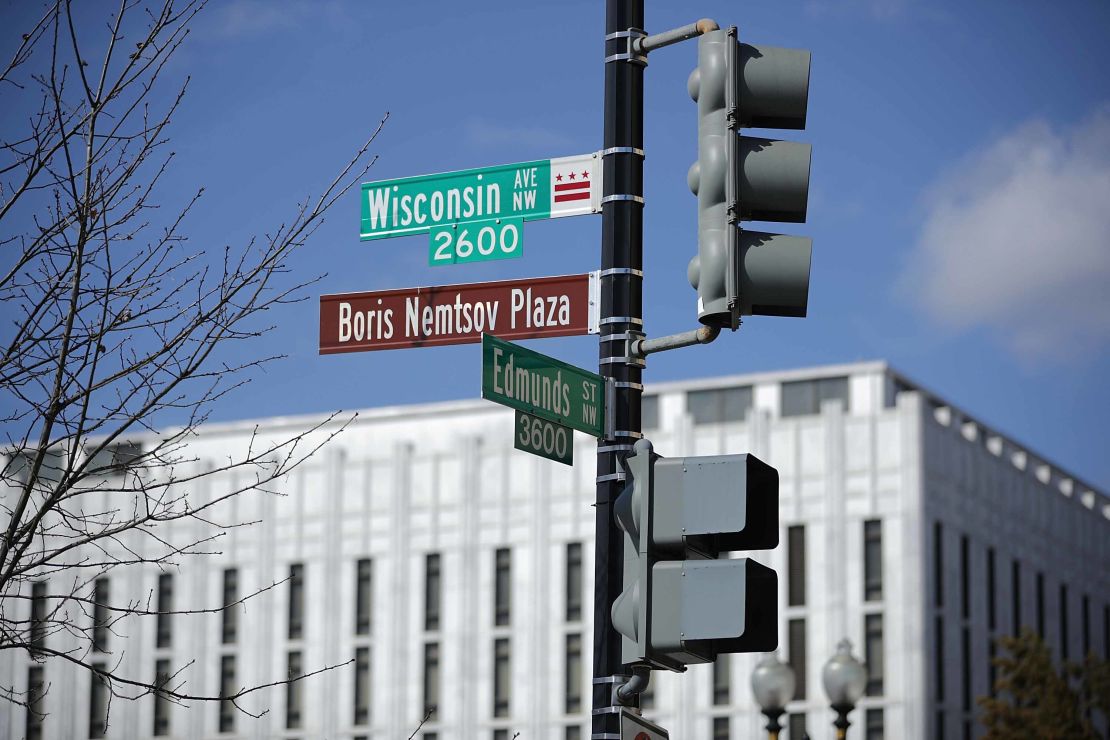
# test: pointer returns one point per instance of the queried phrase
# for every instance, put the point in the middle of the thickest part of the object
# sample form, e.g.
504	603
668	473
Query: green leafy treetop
1032	699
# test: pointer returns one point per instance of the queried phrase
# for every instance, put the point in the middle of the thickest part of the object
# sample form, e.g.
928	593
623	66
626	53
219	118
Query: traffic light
680	604
738	178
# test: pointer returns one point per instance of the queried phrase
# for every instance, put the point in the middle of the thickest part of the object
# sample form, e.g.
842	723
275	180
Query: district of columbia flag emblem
575	185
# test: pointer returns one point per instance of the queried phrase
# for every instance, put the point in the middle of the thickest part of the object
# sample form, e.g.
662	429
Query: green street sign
542	386
500	198
476	241
544	438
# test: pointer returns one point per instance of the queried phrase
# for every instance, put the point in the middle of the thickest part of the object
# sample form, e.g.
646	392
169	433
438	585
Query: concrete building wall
399	484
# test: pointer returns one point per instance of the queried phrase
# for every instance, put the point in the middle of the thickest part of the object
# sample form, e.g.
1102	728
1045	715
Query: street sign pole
621	312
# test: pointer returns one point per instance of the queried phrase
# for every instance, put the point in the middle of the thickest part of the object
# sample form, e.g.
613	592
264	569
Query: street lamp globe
845	679
773	686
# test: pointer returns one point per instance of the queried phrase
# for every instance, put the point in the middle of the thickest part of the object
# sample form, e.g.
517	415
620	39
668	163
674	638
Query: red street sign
457	314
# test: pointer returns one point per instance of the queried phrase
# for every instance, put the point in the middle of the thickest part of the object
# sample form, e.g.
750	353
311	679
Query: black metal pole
621	312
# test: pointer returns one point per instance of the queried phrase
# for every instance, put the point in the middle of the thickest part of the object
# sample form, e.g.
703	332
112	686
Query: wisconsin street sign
459	314
475	215
542	386
544	438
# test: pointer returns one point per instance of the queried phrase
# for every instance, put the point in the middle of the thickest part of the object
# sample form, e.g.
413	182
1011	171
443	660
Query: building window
296	601
722	680
873	653
98	701
161	699
1063	622
719	405
501	734
164	622
873	724
938	564
502	580
33	727
1106	632
872	560
965	593
101	618
573	732
432	591
363	586
431	680
1015	589
992	669
116	459
501	677
574	582
649	412
804	397
573	674
362	686
965	666
230	628
1040	605
720	728
796	565
940	725
227	690
1086	625
796	647
38	617
797	727
992	613
293	691
938	656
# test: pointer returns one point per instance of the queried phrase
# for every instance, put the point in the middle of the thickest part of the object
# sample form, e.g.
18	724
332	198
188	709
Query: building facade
450	577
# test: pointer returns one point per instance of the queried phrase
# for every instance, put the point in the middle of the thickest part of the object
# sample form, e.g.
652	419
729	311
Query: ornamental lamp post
844	678
773	686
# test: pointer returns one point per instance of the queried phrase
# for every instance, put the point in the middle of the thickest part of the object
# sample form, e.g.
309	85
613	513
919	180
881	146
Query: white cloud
878	9
1017	239
241	18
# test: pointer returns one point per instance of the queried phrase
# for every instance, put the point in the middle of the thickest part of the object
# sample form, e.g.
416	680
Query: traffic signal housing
741	178
681	604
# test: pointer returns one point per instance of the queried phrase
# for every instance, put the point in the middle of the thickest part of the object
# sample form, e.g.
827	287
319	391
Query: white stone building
455	572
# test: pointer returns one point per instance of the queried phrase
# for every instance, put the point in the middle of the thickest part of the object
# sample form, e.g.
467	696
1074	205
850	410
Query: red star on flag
558	177
572	176
585	174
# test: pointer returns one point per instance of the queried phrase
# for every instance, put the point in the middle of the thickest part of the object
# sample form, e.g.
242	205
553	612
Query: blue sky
959	202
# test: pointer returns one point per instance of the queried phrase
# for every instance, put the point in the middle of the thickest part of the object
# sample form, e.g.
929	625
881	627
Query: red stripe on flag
583	195
571	186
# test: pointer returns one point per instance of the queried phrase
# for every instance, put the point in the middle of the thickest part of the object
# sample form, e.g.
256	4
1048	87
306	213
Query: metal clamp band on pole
611	476
622	360
627	434
605	736
623	150
600	680
633	386
614	448
616	336
630	58
629	34
622	320
621	271
619	197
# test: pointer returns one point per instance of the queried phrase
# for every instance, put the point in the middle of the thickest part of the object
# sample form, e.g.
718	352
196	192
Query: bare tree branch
115	323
